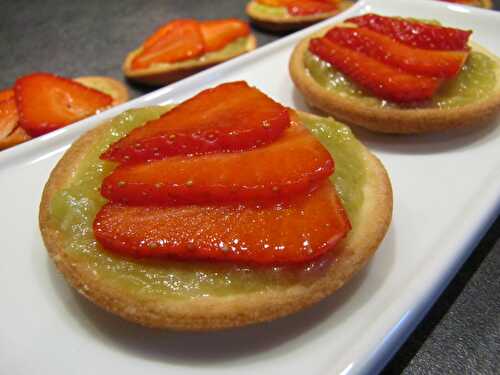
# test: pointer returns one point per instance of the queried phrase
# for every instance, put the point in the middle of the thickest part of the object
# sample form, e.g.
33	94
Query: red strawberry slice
415	34
8	117
6	94
229	117
444	64
295	163
287	232
384	81
218	33
47	102
176	41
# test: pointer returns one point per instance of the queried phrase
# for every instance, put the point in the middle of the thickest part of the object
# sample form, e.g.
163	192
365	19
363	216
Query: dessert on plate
395	75
41	102
216	213
185	46
286	15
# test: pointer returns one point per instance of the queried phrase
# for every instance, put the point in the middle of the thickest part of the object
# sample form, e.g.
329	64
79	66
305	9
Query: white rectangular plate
446	193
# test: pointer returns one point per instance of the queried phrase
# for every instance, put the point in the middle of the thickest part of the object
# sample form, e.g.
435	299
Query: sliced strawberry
218	33
47	102
229	117
384	81
295	163
6	94
176	41
444	64
19	135
8	117
415	34
288	232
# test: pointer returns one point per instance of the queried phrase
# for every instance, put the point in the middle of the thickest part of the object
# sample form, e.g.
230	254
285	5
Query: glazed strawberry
176	41
218	33
229	117
47	102
444	64
415	34
288	232
6	94
8	117
295	163
382	80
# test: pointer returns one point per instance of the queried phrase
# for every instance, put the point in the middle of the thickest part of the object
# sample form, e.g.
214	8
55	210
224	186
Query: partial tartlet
275	16
471	98
16	126
184	47
185	294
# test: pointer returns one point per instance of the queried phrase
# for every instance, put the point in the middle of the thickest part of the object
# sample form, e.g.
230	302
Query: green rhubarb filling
475	82
267	10
73	209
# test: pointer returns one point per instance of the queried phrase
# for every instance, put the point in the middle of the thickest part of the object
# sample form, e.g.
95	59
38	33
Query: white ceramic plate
446	191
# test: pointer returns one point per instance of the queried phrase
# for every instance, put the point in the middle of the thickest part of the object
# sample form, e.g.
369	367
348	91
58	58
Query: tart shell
391	120
214	312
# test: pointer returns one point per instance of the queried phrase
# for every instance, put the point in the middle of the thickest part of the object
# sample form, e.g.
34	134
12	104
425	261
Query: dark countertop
460	334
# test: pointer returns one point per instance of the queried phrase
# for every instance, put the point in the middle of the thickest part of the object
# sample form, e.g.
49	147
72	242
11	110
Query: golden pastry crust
290	23
159	74
213	312
391	120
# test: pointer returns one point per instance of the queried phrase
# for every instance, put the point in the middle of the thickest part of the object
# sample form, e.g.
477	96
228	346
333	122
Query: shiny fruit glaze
431	63
292	231
230	117
476	80
176	41
47	102
415	34
219	33
384	81
263	174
